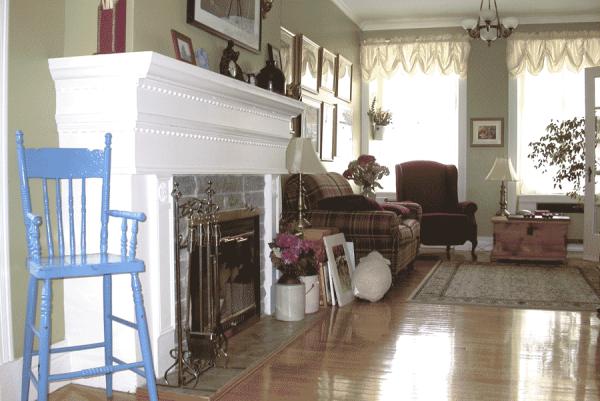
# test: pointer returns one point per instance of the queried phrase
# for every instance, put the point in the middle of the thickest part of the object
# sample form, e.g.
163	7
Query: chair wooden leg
140	316
448	251
108	340
28	337
45	337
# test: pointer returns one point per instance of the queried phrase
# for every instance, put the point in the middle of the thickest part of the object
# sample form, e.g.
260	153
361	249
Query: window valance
554	50
382	58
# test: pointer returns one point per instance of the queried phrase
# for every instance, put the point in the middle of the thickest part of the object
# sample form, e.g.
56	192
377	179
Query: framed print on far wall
311	121
327	70
288	55
341	267
487	132
343	87
328	124
236	20
309	64
183	47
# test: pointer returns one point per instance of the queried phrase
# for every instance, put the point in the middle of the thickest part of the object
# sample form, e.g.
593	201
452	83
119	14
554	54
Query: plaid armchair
395	236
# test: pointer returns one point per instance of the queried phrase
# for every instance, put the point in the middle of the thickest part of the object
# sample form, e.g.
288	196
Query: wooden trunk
534	239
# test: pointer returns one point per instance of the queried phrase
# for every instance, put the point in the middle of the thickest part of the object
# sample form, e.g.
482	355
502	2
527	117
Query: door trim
591	239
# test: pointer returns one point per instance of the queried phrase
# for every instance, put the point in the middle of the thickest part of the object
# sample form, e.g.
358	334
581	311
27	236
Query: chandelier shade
488	26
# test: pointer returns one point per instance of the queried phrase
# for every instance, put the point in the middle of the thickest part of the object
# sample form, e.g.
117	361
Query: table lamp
502	170
301	158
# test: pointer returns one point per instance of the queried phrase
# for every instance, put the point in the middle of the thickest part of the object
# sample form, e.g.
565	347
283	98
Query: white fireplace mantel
167	118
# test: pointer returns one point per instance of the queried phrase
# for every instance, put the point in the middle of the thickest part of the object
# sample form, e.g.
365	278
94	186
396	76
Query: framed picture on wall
328	126
236	20
309	64
311	121
343	87
487	132
288	52
183	47
327	70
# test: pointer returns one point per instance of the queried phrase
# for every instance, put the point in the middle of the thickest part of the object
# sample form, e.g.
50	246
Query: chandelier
488	25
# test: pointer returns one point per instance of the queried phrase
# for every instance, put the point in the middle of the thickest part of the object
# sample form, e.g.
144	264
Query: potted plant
563	148
366	172
379	120
294	257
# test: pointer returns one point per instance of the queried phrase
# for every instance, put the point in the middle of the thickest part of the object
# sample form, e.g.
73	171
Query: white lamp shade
510	22
491	34
502	170
300	157
469	23
487	14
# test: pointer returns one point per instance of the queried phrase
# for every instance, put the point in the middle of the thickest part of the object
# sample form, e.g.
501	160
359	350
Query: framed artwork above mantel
238	20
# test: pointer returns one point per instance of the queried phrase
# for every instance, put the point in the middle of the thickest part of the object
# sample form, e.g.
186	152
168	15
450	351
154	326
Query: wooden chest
530	239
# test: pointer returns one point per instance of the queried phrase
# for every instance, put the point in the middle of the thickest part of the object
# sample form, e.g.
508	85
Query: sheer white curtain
425	120
542	97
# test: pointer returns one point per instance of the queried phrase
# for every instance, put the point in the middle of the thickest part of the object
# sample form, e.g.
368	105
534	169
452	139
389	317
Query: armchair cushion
349	203
397	208
467	207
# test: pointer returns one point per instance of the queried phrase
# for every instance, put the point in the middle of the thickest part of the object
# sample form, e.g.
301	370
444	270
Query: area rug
575	286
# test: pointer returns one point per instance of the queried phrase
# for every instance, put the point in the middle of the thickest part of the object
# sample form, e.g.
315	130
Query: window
425	120
540	98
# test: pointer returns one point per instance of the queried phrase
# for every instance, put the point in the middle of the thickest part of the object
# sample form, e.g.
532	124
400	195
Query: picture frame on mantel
184	50
487	132
238	21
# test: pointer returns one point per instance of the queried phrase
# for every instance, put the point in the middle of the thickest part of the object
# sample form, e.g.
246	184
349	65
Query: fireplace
168	119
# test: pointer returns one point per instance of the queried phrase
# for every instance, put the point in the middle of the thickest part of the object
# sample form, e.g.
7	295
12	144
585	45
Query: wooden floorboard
396	350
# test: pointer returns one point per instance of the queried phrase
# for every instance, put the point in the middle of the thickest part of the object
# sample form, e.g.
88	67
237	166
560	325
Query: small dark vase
271	78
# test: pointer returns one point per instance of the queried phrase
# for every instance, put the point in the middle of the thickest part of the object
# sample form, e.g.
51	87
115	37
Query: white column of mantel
167	118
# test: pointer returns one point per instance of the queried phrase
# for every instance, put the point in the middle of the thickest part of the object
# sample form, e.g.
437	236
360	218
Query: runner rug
575	286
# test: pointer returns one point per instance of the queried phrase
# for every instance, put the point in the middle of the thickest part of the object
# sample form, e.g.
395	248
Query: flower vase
368	191
290	300
378	131
311	284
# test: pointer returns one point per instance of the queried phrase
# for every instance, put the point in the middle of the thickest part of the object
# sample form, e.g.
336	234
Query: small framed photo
183	47
328	124
311	121
487	132
341	267
343	87
327	70
309	64
275	56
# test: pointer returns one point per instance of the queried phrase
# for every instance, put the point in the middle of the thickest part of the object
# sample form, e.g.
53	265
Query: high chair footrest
72	348
102	370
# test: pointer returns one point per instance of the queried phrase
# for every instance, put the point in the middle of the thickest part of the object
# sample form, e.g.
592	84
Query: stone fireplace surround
168	118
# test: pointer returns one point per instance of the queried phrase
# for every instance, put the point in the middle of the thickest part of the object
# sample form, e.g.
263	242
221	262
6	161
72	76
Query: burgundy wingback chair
433	185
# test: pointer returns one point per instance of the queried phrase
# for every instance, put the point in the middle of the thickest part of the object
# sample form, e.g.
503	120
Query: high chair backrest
61	168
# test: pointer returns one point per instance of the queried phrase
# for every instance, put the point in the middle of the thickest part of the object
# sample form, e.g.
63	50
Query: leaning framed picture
274	56
237	20
311	121
487	132
340	266
326	70
343	87
183	47
287	47
309	64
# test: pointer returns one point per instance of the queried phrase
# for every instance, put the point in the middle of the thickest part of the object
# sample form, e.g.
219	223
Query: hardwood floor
394	350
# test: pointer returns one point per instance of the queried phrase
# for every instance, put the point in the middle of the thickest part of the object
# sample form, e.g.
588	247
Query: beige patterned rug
575	286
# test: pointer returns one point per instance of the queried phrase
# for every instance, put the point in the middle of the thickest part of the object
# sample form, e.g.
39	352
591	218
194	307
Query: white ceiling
407	14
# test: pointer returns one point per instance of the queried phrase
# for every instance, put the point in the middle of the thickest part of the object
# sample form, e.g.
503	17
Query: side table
536	239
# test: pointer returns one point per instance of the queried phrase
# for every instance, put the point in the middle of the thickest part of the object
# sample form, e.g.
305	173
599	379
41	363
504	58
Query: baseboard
10	375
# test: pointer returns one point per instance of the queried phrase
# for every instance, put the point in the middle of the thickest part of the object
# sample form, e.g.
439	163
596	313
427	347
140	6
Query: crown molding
341	4
414	23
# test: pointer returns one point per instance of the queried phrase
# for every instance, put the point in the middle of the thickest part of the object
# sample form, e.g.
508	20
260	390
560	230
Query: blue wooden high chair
60	169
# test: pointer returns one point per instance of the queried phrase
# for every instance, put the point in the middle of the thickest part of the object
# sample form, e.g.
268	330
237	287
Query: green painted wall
487	96
40	30
36	33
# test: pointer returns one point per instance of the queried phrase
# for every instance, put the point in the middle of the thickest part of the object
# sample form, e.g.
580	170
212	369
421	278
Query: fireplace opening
238	270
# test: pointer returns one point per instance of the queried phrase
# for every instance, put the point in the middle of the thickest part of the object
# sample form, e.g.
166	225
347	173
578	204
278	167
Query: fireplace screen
238	270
